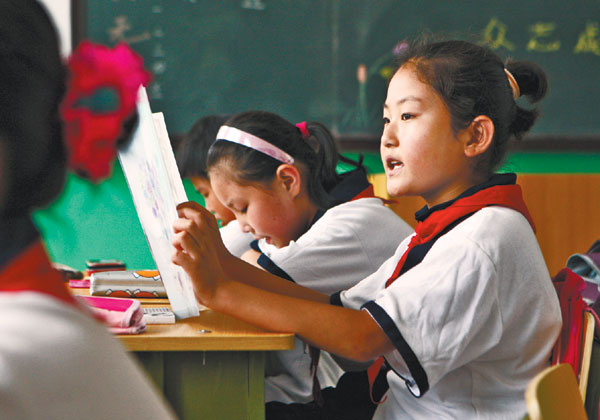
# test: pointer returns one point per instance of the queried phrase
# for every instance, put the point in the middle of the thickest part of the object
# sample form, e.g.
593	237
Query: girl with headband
464	314
57	362
312	226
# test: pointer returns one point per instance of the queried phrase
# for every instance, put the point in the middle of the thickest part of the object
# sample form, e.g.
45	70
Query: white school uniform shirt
58	363
349	242
479	313
235	240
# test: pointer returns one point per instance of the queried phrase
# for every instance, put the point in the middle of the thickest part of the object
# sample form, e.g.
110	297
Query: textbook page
167	151
156	191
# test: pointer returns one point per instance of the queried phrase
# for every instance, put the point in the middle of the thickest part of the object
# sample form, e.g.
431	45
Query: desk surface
209	331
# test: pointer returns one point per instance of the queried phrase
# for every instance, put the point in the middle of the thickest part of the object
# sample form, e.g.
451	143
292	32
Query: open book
149	166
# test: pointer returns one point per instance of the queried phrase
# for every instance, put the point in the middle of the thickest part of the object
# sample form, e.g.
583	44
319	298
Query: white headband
246	139
514	86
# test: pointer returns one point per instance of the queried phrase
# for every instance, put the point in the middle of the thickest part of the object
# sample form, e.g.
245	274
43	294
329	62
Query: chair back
589	324
553	394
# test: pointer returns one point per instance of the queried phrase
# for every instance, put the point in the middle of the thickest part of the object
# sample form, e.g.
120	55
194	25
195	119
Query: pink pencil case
123	316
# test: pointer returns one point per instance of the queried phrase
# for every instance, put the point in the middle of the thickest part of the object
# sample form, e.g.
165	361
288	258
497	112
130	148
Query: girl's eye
238	210
386	120
406	116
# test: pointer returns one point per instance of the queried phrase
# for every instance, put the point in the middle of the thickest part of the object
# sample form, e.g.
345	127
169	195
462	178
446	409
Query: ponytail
533	84
322	175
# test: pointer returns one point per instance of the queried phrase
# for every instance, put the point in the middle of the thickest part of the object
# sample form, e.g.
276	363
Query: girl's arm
346	332
276	304
251	257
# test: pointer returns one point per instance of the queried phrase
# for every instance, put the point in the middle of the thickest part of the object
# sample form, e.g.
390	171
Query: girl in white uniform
313	226
464	314
56	361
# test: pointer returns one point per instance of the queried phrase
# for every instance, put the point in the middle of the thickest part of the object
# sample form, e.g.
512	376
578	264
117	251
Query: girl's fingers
191	205
184	242
193	211
198	214
191	229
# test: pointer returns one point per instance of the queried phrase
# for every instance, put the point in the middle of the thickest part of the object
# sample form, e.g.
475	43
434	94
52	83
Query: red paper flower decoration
92	135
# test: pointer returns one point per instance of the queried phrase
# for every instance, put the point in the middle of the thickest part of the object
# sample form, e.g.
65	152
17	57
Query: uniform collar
352	185
497	179
31	271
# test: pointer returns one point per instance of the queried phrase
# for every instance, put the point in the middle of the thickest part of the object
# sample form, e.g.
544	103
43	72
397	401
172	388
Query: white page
156	191
168	157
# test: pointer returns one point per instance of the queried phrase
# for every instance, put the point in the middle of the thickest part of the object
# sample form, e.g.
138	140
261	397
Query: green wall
99	221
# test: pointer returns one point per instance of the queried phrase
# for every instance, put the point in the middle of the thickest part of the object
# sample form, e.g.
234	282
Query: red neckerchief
31	271
509	196
368	192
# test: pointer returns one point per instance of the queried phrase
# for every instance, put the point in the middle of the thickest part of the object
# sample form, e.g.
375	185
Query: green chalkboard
301	58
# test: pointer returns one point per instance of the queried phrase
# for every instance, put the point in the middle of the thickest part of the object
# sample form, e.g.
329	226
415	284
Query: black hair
191	153
32	84
318	153
471	80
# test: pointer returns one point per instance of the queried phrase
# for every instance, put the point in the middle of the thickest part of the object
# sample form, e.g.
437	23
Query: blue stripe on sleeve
391	330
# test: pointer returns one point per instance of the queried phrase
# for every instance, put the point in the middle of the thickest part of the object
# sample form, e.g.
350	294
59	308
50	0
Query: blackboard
301	58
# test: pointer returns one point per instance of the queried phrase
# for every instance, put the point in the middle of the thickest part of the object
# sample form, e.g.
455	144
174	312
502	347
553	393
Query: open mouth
393	164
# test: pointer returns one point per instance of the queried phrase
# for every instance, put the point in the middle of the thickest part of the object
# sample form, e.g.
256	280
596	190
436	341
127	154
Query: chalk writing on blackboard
542	37
157	62
121	25
253	5
225	57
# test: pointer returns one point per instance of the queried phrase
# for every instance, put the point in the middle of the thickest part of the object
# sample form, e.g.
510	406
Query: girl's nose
389	138
246	228
209	203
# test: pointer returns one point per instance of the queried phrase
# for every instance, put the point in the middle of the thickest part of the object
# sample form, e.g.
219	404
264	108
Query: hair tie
235	135
303	130
514	86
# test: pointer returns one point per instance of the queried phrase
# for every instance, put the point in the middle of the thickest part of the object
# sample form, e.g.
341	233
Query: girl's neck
454	192
306	213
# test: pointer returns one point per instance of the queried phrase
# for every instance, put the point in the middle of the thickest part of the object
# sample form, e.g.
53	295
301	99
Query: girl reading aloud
463	314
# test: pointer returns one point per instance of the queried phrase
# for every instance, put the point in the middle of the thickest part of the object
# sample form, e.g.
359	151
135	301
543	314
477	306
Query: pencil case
128	284
122	316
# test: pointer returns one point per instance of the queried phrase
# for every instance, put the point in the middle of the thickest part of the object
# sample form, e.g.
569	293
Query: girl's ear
481	133
289	178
